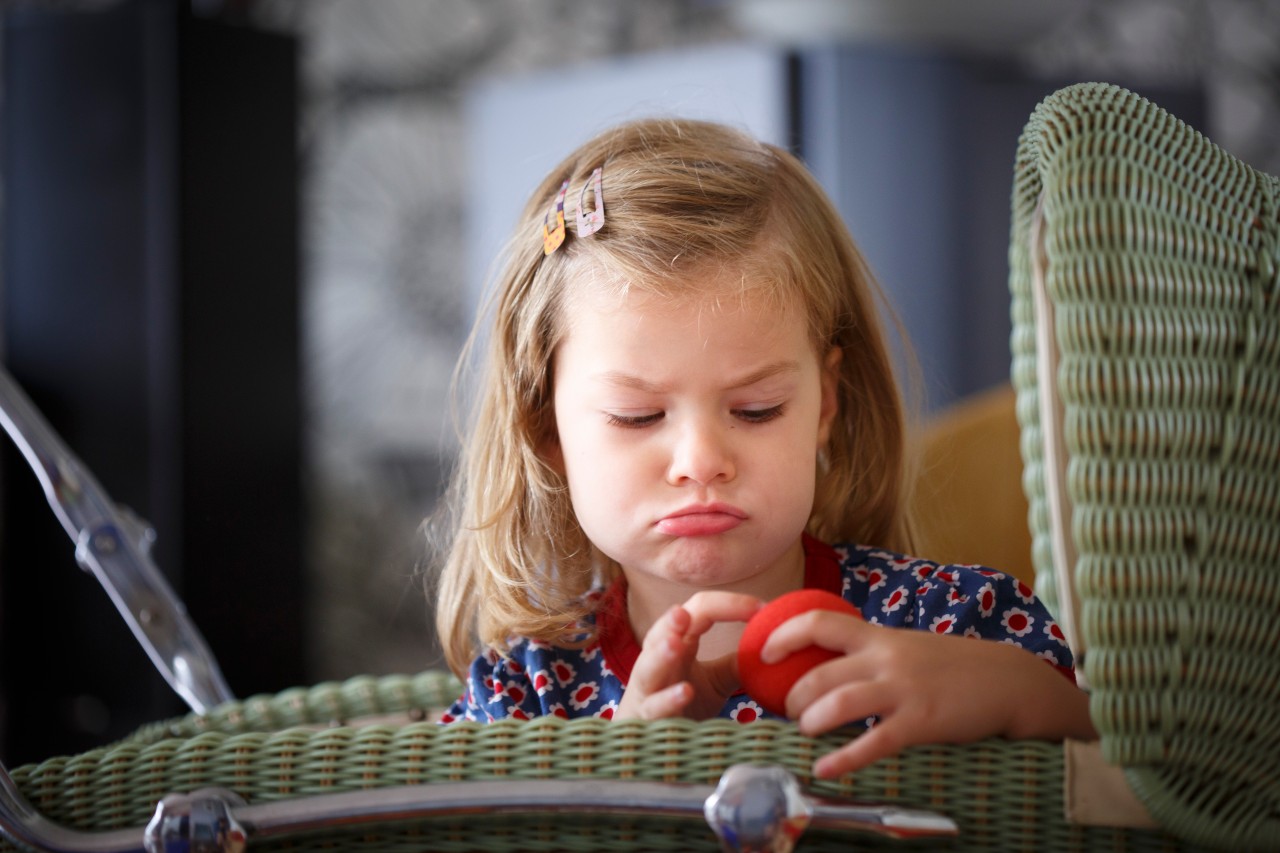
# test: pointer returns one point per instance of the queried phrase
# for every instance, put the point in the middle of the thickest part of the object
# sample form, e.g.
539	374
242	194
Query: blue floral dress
535	679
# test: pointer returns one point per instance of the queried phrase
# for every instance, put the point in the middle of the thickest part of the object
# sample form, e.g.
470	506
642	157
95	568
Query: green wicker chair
1146	294
1156	255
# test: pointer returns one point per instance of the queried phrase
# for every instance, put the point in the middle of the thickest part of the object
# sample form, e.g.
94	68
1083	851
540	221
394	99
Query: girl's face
688	432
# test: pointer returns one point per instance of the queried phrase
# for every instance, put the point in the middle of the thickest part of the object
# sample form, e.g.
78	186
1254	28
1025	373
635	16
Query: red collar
618	641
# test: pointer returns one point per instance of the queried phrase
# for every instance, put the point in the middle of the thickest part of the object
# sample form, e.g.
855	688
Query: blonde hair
679	196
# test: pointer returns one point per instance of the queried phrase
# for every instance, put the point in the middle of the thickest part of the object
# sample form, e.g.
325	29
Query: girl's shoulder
531	678
526	657
948	598
867	563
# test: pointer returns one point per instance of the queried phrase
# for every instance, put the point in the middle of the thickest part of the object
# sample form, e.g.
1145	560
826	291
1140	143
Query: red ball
769	684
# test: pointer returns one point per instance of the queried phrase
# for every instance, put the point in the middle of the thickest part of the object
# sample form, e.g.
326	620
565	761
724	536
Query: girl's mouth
701	520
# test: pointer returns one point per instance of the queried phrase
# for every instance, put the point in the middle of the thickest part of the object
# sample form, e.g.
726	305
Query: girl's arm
924	687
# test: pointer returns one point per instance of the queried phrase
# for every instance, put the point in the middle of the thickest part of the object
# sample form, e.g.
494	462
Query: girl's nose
702	454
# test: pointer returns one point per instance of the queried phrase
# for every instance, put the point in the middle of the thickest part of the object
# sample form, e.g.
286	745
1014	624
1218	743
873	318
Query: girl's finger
844	703
880	741
669	702
707	608
673	623
838	632
661	663
845	671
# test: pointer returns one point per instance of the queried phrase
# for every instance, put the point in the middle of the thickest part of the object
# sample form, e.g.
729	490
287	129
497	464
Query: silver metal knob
199	822
758	808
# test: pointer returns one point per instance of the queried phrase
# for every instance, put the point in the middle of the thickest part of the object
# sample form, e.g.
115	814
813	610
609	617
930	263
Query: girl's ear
830	397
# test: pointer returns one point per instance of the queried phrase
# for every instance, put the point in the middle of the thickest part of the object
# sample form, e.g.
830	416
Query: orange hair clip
553	236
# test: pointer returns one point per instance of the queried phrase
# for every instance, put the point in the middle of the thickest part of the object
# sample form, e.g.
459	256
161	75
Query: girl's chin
706	562
731	560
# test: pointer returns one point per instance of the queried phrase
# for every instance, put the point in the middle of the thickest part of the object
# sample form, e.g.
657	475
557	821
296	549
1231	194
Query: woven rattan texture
357	701
1005	795
1160	258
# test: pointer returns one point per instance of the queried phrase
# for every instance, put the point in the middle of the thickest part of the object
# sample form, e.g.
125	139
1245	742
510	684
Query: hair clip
590	223
552	237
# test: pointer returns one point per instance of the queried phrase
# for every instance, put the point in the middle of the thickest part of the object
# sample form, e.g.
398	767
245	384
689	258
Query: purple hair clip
592	221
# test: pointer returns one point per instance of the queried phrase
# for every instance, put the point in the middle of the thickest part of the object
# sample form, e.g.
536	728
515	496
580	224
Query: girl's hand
925	688
668	680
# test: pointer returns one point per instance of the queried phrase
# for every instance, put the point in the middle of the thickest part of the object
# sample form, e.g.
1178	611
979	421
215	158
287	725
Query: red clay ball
769	684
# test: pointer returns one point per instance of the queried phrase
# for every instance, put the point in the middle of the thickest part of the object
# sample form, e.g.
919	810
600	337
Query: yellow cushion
969	503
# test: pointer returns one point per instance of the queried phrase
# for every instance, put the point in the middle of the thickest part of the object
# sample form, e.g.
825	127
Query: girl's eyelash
633	421
759	416
751	416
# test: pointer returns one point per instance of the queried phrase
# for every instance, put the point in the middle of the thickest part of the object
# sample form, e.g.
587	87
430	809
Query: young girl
687	395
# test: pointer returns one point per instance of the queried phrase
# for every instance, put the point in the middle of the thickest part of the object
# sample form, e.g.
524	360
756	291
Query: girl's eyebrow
767	371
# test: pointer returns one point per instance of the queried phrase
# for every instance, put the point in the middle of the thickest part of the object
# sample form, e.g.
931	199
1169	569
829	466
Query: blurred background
243	241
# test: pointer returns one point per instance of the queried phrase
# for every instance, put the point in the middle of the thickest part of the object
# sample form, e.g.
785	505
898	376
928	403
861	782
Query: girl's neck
649	597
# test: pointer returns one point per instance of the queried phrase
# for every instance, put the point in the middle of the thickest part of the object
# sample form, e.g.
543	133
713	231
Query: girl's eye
758	416
633	421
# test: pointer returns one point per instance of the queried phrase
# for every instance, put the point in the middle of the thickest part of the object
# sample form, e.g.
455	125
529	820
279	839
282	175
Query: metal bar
345	811
114	545
23	825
